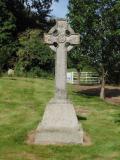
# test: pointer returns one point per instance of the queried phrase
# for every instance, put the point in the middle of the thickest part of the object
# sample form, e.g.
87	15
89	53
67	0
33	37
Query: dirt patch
29	156
82	111
112	93
87	140
31	138
113	100
23	155
114	155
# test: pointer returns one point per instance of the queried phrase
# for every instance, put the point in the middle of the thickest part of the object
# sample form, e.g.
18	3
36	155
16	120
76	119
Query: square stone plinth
59	125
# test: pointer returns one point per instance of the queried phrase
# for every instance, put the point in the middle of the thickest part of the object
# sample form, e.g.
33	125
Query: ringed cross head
62	33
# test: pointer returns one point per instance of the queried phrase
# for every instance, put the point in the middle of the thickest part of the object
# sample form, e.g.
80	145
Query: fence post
72	75
86	77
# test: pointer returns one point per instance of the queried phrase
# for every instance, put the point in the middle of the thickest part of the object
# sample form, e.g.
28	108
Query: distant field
22	104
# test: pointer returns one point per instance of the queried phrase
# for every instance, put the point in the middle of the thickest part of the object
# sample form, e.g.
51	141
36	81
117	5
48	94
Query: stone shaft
60	72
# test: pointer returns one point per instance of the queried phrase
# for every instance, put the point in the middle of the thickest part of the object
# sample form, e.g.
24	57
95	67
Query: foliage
77	59
7	23
7	56
7	29
30	13
114	73
15	17
98	23
33	55
41	7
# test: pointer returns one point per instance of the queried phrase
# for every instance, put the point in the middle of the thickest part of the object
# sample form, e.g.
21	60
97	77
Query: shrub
34	57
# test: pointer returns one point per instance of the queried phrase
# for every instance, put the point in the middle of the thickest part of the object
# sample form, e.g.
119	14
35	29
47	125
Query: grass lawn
22	104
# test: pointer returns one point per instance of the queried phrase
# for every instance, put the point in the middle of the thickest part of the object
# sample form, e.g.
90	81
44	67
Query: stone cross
61	39
59	124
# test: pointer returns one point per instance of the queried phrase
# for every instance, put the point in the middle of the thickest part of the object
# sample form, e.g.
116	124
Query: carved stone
59	123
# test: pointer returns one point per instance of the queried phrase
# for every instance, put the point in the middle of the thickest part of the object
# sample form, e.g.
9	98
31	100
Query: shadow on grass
9	78
81	118
117	119
90	92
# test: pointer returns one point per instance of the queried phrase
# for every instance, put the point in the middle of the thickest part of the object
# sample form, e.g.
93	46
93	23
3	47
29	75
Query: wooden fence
85	78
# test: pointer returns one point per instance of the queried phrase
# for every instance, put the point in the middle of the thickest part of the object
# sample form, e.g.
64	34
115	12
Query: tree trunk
78	76
102	91
0	71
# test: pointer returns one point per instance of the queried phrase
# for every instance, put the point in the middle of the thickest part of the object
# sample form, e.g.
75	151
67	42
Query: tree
114	72
33	54
39	12
104	51
80	15
97	22
78	61
15	17
29	13
7	28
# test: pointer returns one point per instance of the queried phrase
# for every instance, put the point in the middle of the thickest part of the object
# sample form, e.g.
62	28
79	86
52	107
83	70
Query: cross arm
73	39
49	39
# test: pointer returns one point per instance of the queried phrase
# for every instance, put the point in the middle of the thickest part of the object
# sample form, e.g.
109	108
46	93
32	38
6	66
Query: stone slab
59	125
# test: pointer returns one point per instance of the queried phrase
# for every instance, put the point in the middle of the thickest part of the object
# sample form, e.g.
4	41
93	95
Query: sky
60	8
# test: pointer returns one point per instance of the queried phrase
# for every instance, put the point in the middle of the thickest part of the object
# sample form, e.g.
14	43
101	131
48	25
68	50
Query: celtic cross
61	39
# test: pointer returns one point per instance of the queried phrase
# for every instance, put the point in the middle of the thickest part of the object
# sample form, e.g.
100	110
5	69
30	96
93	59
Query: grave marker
59	123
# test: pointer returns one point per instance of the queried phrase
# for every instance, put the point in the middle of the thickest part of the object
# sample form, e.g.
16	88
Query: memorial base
59	125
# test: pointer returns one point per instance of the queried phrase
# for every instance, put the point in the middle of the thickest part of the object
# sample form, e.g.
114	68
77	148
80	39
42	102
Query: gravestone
11	72
59	124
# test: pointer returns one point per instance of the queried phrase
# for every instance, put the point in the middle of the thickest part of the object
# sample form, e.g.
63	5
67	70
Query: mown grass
22	104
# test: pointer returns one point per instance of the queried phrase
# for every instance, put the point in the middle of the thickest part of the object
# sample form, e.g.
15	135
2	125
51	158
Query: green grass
22	104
